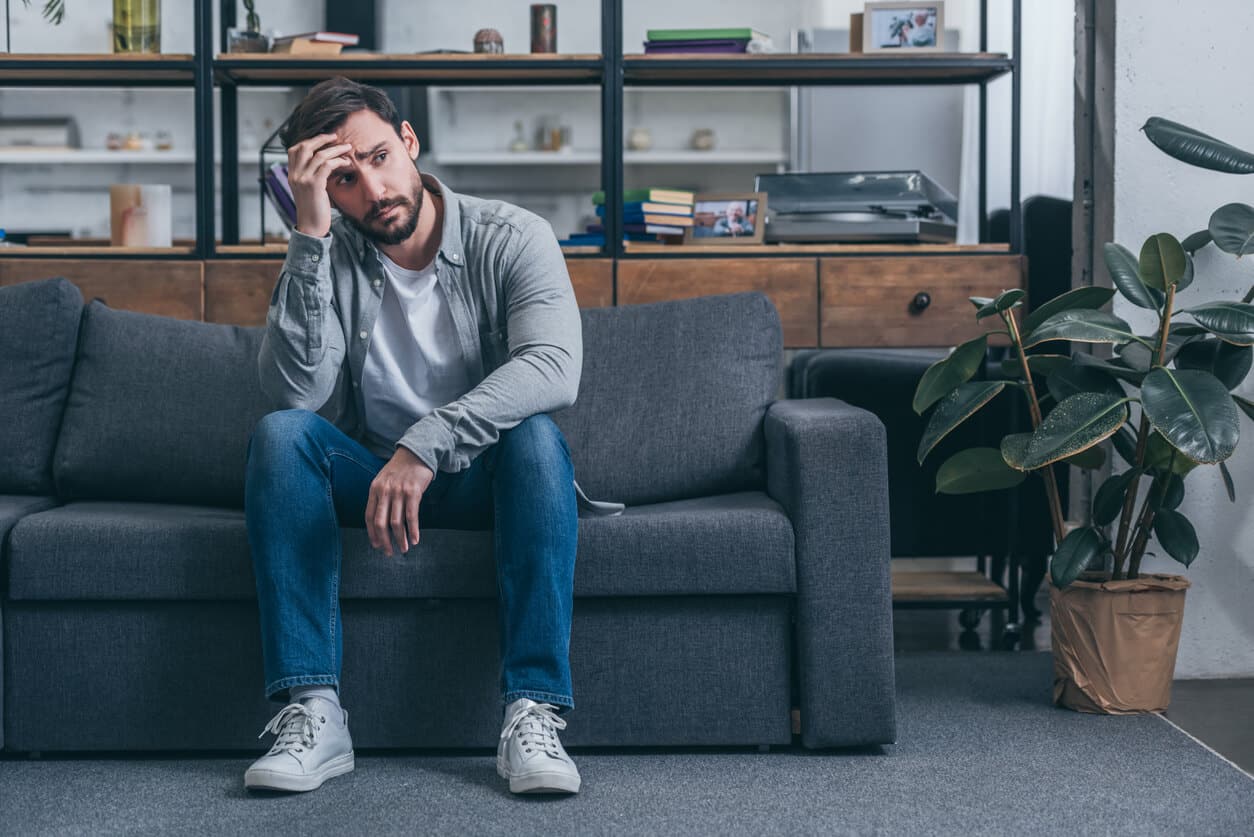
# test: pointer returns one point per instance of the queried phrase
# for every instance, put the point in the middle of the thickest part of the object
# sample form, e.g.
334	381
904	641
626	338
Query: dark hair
330	103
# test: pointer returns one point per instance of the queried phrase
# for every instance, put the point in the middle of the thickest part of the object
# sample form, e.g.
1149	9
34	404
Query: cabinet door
238	292
170	288
791	285
878	302
593	280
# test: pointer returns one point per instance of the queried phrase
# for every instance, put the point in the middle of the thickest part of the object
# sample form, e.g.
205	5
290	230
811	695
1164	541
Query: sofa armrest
827	465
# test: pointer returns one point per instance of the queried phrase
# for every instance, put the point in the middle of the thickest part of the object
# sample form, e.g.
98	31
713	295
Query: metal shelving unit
610	72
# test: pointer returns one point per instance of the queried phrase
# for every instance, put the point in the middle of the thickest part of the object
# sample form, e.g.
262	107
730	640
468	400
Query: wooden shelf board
90	250
928	586
251	249
96	69
800	68
520	67
649	248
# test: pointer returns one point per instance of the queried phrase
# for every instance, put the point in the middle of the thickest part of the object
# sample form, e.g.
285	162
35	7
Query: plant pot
1115	642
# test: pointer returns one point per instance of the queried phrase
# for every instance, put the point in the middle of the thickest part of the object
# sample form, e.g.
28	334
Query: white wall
1169	63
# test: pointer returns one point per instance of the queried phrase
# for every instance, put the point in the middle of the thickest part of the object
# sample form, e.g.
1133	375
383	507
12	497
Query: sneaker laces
294	726
535	726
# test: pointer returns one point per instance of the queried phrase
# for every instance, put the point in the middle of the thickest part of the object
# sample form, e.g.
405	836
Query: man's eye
382	155
345	179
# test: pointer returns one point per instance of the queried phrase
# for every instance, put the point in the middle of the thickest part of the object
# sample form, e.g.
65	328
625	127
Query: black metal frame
611	71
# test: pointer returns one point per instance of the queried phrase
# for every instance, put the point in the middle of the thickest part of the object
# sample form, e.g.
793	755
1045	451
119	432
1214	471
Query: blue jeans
306	478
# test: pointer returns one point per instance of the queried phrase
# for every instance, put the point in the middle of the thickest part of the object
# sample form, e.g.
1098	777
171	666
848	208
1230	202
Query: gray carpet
980	751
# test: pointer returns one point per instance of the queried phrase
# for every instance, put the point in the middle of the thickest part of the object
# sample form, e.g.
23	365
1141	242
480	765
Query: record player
822	207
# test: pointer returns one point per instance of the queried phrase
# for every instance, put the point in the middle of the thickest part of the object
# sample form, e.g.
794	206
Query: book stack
701	40
652	214
314	44
279	191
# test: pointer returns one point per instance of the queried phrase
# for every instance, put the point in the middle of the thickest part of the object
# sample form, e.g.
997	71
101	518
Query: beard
397	230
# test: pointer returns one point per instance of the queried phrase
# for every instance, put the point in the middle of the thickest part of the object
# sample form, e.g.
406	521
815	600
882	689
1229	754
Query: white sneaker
529	753
313	745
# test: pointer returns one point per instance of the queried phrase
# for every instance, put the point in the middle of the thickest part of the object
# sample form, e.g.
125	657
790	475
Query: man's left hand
395	495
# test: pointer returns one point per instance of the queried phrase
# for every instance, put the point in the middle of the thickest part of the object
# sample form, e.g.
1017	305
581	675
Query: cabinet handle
921	301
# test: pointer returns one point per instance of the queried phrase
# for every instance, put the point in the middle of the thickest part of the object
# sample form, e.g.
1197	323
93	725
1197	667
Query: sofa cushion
13	507
160	409
735	543
672	398
38	330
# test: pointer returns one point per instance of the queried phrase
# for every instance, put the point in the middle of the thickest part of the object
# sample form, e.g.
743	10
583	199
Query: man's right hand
309	167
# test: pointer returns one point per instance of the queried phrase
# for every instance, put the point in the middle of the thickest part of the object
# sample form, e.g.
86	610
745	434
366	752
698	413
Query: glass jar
136	26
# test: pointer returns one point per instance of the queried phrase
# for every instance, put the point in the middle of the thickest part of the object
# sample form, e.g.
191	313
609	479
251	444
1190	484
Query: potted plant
249	39
1166	402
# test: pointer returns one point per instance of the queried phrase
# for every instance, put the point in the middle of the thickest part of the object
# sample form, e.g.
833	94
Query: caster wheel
970	618
1010	639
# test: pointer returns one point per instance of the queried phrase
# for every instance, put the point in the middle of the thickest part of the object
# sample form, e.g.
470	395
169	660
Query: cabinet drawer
871	301
790	284
169	288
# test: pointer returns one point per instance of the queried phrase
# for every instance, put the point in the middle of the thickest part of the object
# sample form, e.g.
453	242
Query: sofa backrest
38	330
670	405
672	398
160	410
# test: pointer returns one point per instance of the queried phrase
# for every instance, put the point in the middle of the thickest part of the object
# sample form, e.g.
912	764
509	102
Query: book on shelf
675	196
654	229
712	46
644	207
276	188
729	34
653	217
314	44
342	38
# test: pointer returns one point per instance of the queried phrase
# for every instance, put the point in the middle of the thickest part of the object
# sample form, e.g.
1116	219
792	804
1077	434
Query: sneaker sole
544	782
274	780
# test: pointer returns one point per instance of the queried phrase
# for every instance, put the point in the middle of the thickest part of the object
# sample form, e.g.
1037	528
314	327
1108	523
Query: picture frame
900	26
720	218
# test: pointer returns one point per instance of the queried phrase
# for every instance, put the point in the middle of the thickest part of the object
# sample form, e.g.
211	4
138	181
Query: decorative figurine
702	139
519	143
639	139
543	27
489	41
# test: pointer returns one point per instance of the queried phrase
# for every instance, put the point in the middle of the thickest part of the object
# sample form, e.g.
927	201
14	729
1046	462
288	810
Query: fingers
392	512
396	522
411	515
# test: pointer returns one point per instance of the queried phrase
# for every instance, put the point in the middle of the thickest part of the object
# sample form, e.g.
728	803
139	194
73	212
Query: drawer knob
921	301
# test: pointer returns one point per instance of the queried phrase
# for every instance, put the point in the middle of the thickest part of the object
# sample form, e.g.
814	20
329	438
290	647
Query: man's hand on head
395	495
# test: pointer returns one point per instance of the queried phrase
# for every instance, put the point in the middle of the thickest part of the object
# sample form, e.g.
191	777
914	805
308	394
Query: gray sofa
748	577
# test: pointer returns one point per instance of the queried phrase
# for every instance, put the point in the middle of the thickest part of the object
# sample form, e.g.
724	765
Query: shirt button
455	257
377	282
315	258
362	335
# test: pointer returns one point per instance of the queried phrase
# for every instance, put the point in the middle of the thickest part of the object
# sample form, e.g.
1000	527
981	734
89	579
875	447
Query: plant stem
1051	485
1142	438
1147	520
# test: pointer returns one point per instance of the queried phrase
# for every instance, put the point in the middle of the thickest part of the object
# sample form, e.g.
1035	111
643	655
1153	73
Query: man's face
735	212
381	192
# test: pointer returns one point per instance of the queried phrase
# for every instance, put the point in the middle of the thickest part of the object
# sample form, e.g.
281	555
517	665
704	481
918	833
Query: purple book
736	45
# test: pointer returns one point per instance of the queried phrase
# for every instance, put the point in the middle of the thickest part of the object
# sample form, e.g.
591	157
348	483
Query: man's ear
410	140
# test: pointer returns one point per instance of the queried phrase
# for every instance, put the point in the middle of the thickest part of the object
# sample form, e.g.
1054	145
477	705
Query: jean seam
347	455
335	571
300	680
553	697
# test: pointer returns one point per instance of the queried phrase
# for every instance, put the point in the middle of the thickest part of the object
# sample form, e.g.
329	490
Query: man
732	221
440	328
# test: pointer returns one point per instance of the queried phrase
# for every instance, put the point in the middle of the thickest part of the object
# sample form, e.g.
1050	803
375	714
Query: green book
703	34
679	196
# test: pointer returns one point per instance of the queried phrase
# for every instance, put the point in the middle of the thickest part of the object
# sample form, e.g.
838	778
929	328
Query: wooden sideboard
823	301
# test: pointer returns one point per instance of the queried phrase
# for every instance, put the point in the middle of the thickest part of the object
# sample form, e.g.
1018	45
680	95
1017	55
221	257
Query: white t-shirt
414	363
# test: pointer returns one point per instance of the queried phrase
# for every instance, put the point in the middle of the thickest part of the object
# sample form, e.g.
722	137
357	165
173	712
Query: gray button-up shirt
504	278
